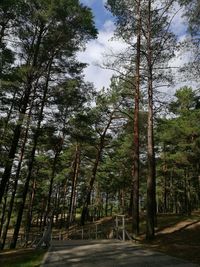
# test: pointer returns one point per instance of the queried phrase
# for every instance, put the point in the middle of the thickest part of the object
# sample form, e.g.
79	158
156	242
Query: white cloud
94	55
96	50
178	23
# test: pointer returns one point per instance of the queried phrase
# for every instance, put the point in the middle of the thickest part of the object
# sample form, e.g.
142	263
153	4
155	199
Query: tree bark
74	183
85	211
30	211
31	162
3	212
15	184
18	128
106	204
151	202
18	172
51	187
135	168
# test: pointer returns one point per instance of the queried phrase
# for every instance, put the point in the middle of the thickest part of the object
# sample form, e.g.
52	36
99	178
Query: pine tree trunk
135	168
30	211
165	194
106	205
74	183
14	190
57	204
51	187
3	211
18	128
14	145
85	211
31	162
18	173
151	202
64	203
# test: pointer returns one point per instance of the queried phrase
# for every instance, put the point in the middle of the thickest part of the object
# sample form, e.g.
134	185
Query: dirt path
106	253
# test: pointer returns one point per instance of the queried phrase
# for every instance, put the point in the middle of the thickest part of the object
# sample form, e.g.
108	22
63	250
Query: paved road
106	253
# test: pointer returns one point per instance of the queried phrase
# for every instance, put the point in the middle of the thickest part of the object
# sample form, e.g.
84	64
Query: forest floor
22	257
176	236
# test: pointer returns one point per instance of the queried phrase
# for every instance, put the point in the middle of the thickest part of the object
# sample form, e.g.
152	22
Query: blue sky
100	12
95	52
93	55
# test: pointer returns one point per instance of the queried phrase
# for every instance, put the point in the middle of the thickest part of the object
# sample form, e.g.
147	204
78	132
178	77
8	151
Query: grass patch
22	258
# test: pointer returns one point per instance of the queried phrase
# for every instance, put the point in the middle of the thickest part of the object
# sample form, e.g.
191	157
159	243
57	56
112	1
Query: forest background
68	148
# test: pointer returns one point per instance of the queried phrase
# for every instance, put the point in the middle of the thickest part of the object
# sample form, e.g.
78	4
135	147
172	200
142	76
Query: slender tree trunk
57	204
106	204
31	162
130	210
14	144
30	211
51	187
14	190
172	190
94	172
18	128
57	150
3	212
17	174
65	201
151	201
85	211
42	214
122	200
136	159
188	208
74	183
165	194
198	182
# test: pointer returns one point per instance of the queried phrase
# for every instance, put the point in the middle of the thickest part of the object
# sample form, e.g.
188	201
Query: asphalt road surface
106	253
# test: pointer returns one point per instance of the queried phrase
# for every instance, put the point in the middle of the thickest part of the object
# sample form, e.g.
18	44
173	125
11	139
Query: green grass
22	258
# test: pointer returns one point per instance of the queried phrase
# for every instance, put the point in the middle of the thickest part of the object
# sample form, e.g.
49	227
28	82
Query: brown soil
181	240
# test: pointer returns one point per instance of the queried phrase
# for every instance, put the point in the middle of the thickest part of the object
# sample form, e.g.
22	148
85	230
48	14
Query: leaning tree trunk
106	204
151	197
14	189
51	185
135	168
4	208
85	211
31	162
30	212
15	141
18	128
57	150
17	174
74	183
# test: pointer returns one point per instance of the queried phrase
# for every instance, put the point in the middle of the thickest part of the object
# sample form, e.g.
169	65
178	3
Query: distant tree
178	167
